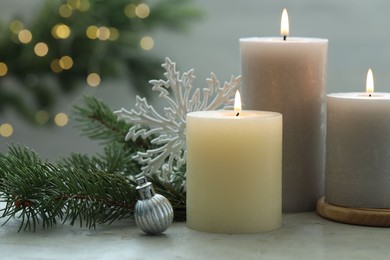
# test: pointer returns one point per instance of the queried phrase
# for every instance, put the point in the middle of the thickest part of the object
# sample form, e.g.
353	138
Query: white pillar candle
288	76
234	171
358	149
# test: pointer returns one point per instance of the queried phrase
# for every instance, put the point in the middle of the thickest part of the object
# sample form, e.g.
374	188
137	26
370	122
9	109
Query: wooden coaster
355	216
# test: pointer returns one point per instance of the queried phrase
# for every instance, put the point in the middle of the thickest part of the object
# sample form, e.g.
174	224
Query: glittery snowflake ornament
167	131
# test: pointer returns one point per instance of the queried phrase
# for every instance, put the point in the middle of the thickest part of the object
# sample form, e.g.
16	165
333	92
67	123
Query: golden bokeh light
55	66
66	62
3	69
142	11
6	130
16	26
60	31
93	79
130	10
25	36
92	32
61	119
84	6
75	4
41	49
114	34
103	33
146	43
41	117
65	10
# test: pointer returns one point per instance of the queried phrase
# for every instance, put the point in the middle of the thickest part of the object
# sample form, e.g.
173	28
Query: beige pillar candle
288	76
234	171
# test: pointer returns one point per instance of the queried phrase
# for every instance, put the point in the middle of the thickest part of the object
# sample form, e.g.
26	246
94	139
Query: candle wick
237	113
369	95
284	37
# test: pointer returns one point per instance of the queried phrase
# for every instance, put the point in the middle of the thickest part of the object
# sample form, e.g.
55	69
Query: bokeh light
25	36
65	10
41	49
130	10
146	43
3	69
16	26
60	31
93	79
92	32
103	33
75	4
61	119
55	66
42	117
114	34
142	11
66	62
6	130
84	6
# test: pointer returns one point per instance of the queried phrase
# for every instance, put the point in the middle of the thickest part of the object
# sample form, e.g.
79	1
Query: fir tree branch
93	197
98	122
25	188
116	159
36	191
90	190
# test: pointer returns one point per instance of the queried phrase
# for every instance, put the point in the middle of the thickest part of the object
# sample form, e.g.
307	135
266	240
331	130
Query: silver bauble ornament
153	212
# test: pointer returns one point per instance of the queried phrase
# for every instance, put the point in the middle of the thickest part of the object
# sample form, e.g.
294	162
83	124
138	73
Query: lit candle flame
284	25
370	82
237	102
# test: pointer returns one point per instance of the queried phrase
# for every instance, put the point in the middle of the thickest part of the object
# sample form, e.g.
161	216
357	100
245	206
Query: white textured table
302	236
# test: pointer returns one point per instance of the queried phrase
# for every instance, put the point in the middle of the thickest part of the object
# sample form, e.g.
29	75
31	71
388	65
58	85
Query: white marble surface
302	236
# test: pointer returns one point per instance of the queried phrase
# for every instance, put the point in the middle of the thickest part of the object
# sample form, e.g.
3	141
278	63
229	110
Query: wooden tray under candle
355	216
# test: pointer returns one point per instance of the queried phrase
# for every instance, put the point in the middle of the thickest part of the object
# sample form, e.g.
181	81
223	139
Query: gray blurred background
358	35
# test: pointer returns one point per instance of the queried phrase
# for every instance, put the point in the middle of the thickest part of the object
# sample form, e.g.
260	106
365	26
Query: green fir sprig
90	190
36	191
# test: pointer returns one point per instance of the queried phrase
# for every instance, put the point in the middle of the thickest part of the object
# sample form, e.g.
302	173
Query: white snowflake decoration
168	131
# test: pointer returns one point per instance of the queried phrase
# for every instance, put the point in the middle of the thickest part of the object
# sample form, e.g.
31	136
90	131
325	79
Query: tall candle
358	149
234	171
287	75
